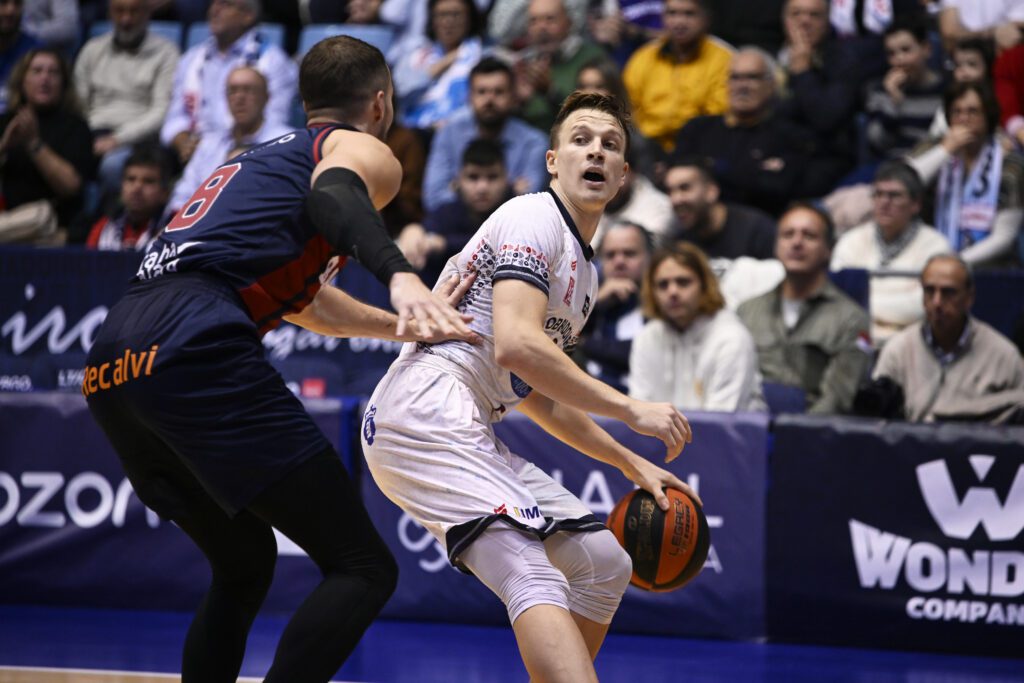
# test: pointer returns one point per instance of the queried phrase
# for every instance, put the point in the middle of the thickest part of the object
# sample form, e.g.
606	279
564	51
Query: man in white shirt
197	104
427	433
894	246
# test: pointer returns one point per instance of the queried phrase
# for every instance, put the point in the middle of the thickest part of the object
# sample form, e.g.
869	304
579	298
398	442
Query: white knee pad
516	567
597	568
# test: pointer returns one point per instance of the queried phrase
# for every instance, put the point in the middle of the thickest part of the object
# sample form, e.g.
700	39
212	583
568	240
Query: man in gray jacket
952	366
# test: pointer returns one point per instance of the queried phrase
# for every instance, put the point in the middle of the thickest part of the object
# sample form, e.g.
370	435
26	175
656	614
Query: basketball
668	548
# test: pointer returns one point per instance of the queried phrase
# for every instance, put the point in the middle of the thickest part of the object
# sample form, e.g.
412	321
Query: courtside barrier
897	535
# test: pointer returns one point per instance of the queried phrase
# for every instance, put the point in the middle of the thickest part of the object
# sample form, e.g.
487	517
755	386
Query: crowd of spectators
778	144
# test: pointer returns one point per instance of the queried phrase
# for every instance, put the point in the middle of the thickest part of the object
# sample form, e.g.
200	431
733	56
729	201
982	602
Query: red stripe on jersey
318	142
291	287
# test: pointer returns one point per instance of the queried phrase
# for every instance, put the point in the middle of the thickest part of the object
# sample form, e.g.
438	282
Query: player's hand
653	479
434	318
662	421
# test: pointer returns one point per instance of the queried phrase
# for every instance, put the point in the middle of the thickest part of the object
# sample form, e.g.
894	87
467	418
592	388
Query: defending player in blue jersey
207	432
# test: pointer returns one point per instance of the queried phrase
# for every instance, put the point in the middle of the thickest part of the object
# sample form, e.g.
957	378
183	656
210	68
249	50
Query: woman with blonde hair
693	352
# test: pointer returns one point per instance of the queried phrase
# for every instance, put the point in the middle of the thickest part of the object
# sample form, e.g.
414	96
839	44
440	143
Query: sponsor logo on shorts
522	513
116	372
501	510
942	575
369	428
520	387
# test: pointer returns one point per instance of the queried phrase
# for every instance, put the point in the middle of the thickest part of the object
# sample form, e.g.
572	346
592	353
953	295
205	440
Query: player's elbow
511	353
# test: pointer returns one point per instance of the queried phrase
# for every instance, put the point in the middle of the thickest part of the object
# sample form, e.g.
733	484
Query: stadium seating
381	37
199	31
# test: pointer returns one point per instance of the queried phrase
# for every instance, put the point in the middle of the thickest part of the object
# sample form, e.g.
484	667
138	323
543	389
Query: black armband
339	207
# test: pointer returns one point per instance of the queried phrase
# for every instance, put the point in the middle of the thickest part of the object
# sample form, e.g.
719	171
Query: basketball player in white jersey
427	432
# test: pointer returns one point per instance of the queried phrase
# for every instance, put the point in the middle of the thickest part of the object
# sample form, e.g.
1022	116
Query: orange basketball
668	548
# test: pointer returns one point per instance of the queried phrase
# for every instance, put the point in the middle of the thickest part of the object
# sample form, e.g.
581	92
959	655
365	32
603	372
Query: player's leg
516	567
241	550
598	571
318	508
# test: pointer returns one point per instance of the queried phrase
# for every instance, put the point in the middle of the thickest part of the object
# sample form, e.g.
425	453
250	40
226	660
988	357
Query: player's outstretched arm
522	347
357	175
336	314
577	429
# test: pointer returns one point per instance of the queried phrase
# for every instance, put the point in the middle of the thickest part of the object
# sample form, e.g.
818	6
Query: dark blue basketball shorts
178	380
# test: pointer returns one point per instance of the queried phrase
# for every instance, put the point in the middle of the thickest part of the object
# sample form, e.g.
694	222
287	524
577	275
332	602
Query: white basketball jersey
530	238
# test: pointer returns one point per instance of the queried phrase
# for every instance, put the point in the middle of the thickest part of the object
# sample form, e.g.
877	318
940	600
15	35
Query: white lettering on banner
966	611
287	339
53	325
980	506
407	525
41	488
881	557
362	344
15	383
70	377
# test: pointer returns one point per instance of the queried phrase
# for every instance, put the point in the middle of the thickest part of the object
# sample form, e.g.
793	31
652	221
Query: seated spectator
977	184
602	76
197	106
639	202
482	187
998	21
809	334
604	346
489	117
622	26
693	352
861	26
721	230
54	22
145	187
508	20
546	68
409	19
46	148
824	82
973	61
124	81
901	106
432	75
363	12
247	97
952	366
756	157
894	240
679	76
14	43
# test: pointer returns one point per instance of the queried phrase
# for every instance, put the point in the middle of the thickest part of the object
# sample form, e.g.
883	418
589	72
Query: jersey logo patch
369	428
568	292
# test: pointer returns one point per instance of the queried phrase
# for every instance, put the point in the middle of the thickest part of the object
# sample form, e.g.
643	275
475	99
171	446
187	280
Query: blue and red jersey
247	225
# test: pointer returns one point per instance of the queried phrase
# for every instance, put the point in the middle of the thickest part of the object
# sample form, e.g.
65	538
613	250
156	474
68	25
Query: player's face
892	207
947	298
624	254
690	194
43	84
490	96
589	165
801	244
906	54
483	188
968	66
142	193
677	292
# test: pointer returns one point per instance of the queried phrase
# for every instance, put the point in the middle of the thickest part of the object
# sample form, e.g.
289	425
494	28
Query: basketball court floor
59	645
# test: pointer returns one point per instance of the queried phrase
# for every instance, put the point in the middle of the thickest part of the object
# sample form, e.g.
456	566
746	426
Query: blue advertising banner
726	463
897	535
53	301
72	531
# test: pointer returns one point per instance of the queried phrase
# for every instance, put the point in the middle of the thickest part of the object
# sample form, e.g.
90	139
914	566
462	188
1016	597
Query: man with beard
489	117
13	43
721	230
124	81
